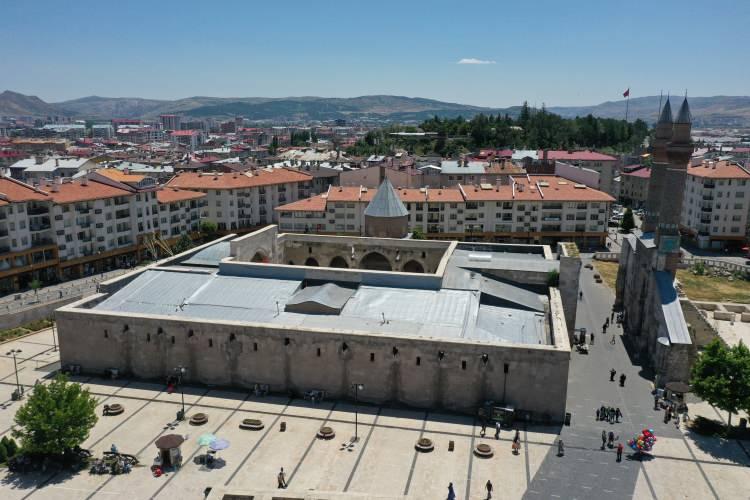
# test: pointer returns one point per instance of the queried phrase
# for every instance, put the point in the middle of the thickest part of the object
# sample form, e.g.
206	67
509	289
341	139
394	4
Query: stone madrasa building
654	323
431	324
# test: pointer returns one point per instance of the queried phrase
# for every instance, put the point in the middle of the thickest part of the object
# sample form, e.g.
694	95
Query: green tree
274	146
10	445
35	285
208	229
553	277
183	244
628	222
56	417
417	234
721	376
3	453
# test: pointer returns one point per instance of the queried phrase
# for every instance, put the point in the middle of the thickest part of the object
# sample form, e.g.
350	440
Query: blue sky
557	52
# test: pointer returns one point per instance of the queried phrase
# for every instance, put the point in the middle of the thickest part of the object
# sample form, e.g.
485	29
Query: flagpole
627	105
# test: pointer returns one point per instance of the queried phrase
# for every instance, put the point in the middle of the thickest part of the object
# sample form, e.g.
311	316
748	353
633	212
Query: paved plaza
383	464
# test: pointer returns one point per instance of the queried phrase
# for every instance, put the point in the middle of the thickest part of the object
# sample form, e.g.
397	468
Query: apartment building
716	204
244	200
605	165
191	139
634	186
63	229
529	209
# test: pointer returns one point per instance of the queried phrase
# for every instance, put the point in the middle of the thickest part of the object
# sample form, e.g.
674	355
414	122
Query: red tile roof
314	204
556	189
719	170
12	191
172	195
237	180
576	156
76	191
643	173
185	132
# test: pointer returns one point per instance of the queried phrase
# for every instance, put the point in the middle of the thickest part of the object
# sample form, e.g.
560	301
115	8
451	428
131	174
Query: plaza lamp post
54	340
357	388
19	391
180	370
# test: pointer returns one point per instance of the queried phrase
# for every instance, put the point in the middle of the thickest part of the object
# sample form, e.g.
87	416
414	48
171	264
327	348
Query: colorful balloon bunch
644	442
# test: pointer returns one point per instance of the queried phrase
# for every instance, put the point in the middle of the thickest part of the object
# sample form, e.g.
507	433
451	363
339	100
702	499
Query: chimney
39	160
58	180
126	171
55	187
57	162
85	180
544	155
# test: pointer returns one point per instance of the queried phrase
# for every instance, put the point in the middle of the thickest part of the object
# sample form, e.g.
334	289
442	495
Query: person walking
612	316
604	328
517	437
619	452
488	487
281	478
597	415
580	296
618	415
560	448
611	439
451	493
613	339
497	430
484	428
611	413
622	380
592	338
612	374
604	439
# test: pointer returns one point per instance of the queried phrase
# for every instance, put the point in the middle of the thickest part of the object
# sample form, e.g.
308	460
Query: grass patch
608	272
713	288
707	288
19	331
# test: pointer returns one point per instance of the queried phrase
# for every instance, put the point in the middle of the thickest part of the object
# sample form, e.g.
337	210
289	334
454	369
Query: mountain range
716	111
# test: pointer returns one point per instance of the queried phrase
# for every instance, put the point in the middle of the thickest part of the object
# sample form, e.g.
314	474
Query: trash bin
567	418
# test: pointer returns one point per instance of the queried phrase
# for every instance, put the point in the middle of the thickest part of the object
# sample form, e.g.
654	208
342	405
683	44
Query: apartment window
738	206
739	194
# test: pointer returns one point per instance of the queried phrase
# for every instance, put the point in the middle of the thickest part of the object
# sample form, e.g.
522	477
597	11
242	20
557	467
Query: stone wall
394	369
34	313
570	272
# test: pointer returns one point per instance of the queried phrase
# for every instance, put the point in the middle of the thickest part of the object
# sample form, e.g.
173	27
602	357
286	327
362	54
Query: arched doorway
339	262
311	262
413	266
376	262
259	257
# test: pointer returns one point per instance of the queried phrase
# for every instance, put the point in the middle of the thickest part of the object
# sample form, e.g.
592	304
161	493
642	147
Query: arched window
376	262
259	257
311	262
339	262
413	266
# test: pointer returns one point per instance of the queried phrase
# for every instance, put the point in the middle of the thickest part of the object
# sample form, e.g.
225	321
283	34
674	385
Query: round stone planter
483	450
198	419
424	445
326	433
251	424
114	409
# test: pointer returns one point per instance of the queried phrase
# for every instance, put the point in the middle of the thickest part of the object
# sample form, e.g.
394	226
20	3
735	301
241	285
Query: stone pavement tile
344	412
446	422
434	470
642	491
540	434
16	487
302	408
386	462
146	390
107	424
506	471
278	449
329	462
272	405
392	417
223	398
159	393
194	478
141	484
101	387
713	449
668	447
729	482
535	454
6	369
674	480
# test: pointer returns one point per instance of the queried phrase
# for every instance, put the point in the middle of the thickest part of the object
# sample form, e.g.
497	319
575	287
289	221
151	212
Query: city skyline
522	53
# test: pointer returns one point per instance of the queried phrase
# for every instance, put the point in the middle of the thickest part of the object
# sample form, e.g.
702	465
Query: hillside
707	111
15	104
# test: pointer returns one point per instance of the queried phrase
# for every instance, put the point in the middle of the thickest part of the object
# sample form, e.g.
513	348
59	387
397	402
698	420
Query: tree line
531	129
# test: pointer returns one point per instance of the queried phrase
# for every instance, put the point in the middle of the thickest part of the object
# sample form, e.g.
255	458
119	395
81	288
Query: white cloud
472	60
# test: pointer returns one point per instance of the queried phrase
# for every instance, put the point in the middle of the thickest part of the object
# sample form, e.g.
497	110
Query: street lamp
180	370
54	341
18	394
357	388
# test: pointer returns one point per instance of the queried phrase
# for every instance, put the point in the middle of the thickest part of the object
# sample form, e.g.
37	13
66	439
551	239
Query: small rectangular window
318	351
210	342
255	346
463	365
419	361
372	356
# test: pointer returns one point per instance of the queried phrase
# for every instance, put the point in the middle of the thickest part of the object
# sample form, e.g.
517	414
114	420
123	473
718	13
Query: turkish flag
626	93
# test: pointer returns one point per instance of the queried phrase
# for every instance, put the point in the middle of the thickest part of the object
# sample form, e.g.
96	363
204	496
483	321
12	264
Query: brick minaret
662	136
679	150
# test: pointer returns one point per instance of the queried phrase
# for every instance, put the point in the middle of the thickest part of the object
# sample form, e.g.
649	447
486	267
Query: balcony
122	214
41	241
3	216
83	210
708	197
37	210
433	218
39	227
709	185
551	218
433	229
3	233
551	227
707	209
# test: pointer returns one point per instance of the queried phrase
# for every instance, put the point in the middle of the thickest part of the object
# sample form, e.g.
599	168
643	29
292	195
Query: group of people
487	486
612	374
515	445
608	414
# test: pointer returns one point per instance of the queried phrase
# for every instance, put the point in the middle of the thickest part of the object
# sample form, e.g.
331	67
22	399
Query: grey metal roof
471	167
512	294
666	113
672	310
496	260
209	256
451	314
328	298
386	202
